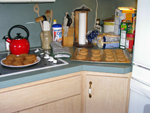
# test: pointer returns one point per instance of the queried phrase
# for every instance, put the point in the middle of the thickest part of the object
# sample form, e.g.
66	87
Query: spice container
129	42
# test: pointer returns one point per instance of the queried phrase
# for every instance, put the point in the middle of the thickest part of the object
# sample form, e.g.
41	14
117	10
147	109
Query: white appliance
140	82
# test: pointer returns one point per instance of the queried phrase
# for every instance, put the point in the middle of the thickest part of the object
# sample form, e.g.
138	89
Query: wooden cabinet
109	93
68	105
62	92
24	1
69	94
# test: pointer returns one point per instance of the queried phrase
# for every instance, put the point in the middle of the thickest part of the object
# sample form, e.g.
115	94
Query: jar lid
57	25
130	35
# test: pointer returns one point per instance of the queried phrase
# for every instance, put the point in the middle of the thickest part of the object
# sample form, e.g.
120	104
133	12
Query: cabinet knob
90	90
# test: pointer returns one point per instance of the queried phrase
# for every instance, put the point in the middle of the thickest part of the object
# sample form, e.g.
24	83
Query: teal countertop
72	67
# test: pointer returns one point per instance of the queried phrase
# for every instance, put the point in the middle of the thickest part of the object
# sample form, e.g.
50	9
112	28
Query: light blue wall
12	14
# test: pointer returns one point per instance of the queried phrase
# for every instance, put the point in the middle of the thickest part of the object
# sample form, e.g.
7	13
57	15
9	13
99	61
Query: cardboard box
123	13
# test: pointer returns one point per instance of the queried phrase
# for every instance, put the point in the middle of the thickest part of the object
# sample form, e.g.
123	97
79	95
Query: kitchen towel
82	28
58	51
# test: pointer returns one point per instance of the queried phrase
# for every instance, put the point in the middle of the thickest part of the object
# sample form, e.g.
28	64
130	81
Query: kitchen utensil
38	19
36	10
19	44
69	20
51	17
47	14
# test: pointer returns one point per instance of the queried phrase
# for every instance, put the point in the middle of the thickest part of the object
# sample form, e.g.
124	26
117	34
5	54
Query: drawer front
24	98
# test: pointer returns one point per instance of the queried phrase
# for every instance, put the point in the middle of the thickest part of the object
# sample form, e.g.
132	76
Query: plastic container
108	26
129	42
57	32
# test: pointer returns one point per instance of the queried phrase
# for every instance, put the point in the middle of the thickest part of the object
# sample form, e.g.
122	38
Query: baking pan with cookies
101	55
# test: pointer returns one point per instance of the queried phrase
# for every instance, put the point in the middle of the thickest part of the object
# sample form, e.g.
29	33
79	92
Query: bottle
54	21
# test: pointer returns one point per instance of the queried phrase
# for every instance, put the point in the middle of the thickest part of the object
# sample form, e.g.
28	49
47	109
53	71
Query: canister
57	32
108	26
129	42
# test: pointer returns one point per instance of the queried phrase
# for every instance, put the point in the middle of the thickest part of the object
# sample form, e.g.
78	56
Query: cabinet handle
90	95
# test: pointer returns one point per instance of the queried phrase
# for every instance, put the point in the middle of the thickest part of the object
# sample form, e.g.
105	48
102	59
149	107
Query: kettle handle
19	26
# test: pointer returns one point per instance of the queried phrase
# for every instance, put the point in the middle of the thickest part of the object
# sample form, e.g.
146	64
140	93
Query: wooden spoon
37	10
47	14
51	17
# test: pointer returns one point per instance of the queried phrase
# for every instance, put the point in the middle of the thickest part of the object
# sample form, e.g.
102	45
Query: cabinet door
109	94
67	105
39	94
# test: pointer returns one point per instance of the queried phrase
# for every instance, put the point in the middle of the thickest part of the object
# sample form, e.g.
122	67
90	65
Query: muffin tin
103	56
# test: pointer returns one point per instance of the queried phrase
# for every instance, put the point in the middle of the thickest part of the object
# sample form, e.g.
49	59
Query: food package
108	41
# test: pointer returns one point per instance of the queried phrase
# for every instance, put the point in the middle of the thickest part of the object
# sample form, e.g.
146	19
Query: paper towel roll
82	28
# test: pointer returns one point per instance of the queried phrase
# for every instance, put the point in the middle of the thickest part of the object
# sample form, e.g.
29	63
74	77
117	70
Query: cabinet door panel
28	97
109	94
68	105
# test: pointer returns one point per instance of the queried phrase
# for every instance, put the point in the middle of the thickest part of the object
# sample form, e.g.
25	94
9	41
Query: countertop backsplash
21	13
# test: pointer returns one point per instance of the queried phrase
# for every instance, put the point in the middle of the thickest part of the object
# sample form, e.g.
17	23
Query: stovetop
43	64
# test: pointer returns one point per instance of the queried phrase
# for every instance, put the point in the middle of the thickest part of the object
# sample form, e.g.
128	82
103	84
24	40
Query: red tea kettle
19	44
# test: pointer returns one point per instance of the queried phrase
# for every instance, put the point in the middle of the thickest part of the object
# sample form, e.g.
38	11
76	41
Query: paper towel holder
81	9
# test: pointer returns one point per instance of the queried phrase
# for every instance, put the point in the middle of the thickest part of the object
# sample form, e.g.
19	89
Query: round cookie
19	58
107	50
95	58
108	53
84	49
121	55
27	62
95	51
17	63
119	51
109	56
121	59
11	57
81	57
23	55
82	53
31	57
96	54
107	59
7	61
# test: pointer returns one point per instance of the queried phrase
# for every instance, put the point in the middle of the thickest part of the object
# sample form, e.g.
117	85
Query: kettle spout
7	39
